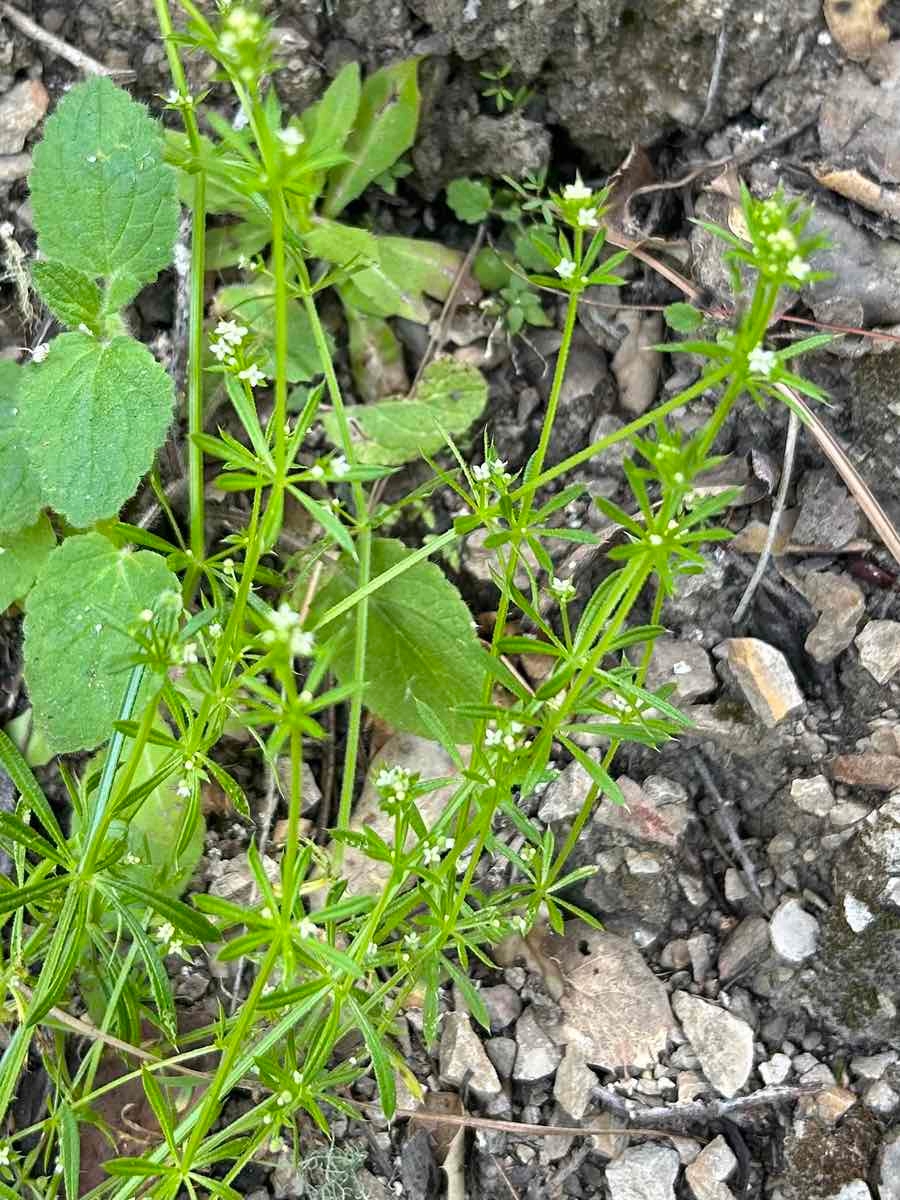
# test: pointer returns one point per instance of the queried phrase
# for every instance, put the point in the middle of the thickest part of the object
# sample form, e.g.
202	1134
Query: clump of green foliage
154	648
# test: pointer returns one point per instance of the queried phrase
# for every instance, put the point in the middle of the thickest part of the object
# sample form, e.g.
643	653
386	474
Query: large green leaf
20	491
385	126
254	306
104	201
328	122
76	647
93	415
421	646
22	555
425	266
450	396
69	294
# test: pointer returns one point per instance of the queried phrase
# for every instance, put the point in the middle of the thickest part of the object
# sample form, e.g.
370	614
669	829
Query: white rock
856	1190
872	1066
707	1173
643	1173
879	649
857	914
881	1098
722	1042
889	1166
813	795
794	932
463	1058
776	1070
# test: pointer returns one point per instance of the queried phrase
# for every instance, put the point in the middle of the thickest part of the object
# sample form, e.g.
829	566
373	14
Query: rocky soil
744	999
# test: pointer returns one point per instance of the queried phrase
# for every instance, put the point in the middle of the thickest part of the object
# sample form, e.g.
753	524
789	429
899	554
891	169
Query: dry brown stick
790	447
878	518
56	45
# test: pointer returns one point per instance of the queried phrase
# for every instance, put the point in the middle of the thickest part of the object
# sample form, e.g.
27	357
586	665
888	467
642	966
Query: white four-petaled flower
761	361
252	375
565	268
577	190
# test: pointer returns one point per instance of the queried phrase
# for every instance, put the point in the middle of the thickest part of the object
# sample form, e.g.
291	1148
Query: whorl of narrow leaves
76	649
104	201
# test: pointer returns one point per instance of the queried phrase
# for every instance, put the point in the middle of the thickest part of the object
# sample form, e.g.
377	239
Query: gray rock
643	1173
879	649
745	948
707	1174
310	791
722	1042
872	1066
701	948
813	795
684	663
20	110
502	1052
858	122
856	1189
565	795
613	1010
463	1058
503	1005
841	605
881	1098
889	1166
236	882
764	677
829	516
794	932
538	1055
574	1085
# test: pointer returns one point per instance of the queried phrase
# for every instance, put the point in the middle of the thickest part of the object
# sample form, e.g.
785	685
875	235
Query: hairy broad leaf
22	555
69	294
104	201
228	244
76	650
683	318
254	306
376	357
421	644
93	415
385	126
448	399
20	491
425	266
470	200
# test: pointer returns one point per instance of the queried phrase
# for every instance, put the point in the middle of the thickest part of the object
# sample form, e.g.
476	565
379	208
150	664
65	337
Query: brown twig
702	1112
437	339
56	45
876	515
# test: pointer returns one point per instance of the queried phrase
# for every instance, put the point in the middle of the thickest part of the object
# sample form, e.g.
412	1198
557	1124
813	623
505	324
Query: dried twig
715	78
790	447
701	1112
876	515
727	825
437	339
56	45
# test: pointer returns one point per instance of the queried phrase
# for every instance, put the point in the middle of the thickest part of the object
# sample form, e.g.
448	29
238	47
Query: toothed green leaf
20	491
22	554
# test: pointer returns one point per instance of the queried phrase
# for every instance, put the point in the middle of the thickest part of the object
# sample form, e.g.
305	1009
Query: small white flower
291	138
40	352
307	928
284	1098
482	472
586	216
215	630
318	471
797	268
175	946
655	540
412	941
242	262
132	860
146	615
189	653
498	467
339	466
183	789
782	239
431	855
761	361
562	589
222	352
252	375
166	932
4	1156
565	268
577	190
172	96
231	332
492	737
